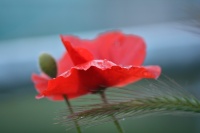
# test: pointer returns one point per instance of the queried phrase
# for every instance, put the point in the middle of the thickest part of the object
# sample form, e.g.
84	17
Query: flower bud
48	65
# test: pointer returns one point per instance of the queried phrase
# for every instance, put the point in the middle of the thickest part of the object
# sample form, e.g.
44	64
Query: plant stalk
72	112
104	99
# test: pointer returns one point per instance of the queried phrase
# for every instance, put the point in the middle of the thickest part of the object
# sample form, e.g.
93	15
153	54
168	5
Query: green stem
72	112
104	99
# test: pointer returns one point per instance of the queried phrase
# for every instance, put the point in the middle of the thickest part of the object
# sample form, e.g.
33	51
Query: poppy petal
41	83
39	78
78	55
96	74
122	76
83	43
121	48
65	63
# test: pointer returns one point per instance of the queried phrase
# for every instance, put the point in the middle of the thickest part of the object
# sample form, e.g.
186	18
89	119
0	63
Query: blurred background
28	28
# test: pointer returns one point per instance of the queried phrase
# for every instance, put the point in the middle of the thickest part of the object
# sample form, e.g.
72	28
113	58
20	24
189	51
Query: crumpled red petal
83	43
121	48
64	63
77	55
93	75
41	83
111	46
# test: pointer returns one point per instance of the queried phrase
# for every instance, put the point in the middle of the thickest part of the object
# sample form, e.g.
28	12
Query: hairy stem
72	112
119	128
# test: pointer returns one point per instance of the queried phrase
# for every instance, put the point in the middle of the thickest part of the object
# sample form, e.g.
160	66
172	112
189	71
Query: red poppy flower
113	59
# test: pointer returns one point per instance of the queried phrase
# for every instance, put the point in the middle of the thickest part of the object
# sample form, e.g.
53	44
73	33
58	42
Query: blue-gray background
28	28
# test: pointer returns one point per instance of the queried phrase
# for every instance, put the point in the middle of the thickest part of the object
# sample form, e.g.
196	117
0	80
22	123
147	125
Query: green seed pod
48	65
